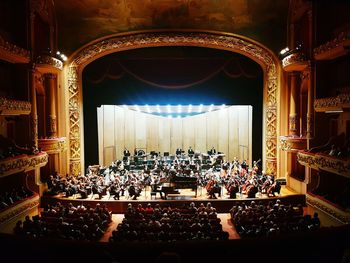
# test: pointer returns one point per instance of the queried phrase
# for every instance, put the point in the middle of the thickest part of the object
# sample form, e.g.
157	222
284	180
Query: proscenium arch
121	42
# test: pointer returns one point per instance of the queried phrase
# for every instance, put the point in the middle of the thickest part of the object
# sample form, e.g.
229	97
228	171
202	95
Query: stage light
189	108
158	109
125	107
148	109
178	116
283	51
169	109
223	106
179	108
137	108
211	107
200	108
57	53
169	116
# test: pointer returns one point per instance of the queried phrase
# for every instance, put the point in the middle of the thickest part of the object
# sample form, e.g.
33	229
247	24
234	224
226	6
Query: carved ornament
19	209
12	53
295	62
53	145
158	39
327	163
327	208
332	103
48	64
292	143
22	163
337	47
14	107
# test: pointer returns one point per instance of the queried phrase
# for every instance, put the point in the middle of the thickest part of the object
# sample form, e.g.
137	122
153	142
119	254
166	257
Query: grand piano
174	182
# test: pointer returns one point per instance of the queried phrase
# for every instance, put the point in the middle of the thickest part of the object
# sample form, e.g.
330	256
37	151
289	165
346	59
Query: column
50	83
293	105
34	113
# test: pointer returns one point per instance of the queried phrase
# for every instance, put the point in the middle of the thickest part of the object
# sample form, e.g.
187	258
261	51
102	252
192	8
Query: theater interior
175	130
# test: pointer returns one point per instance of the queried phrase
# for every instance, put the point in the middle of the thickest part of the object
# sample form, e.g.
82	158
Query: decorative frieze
337	47
323	162
292	143
294	62
14	107
22	163
48	64
53	145
339	102
342	216
19	209
12	53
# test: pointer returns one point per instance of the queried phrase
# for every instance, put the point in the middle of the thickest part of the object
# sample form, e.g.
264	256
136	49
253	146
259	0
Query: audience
67	222
258	220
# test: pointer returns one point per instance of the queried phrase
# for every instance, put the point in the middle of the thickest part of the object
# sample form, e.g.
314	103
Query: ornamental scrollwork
334	43
7	105
322	162
14	50
157	39
16	211
333	102
48	60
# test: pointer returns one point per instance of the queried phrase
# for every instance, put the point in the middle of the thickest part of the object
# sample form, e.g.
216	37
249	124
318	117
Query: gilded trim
216	40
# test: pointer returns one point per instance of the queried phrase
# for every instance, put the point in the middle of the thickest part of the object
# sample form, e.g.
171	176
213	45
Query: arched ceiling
82	21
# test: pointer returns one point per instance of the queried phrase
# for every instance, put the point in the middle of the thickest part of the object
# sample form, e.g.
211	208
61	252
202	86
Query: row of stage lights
172	109
61	56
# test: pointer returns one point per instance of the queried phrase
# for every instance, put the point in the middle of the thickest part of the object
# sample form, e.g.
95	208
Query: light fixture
200	108
189	108
169	109
169	116
211	107
334	111
148	109
158	109
179	108
284	51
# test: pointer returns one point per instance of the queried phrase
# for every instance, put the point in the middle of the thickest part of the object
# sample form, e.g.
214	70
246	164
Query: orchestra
165	174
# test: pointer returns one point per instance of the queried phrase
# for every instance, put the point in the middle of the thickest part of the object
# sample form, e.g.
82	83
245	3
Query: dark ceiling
82	21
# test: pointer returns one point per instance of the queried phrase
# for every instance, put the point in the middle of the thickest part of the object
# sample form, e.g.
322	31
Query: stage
222	203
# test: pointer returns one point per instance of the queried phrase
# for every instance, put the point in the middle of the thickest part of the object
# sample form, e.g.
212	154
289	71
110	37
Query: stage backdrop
229	130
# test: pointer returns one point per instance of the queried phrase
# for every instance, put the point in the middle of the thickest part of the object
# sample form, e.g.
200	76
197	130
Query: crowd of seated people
167	224
17	194
67	222
258	220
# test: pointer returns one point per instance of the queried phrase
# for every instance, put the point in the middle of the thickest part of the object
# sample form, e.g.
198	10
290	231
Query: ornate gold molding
19	209
332	103
232	43
53	145
292	143
48	64
14	107
22	163
12	53
294	62
326	163
337	47
329	209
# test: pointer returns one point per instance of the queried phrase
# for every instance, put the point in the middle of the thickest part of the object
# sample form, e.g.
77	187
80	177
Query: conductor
190	152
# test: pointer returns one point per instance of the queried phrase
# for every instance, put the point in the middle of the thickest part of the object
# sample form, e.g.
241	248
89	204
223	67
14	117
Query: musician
133	192
126	152
178	151
190	152
212	151
115	190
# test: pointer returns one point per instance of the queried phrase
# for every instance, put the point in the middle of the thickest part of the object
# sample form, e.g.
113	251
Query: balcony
53	145
293	144
48	64
14	107
22	163
12	53
335	48
333	104
294	62
18	209
320	161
